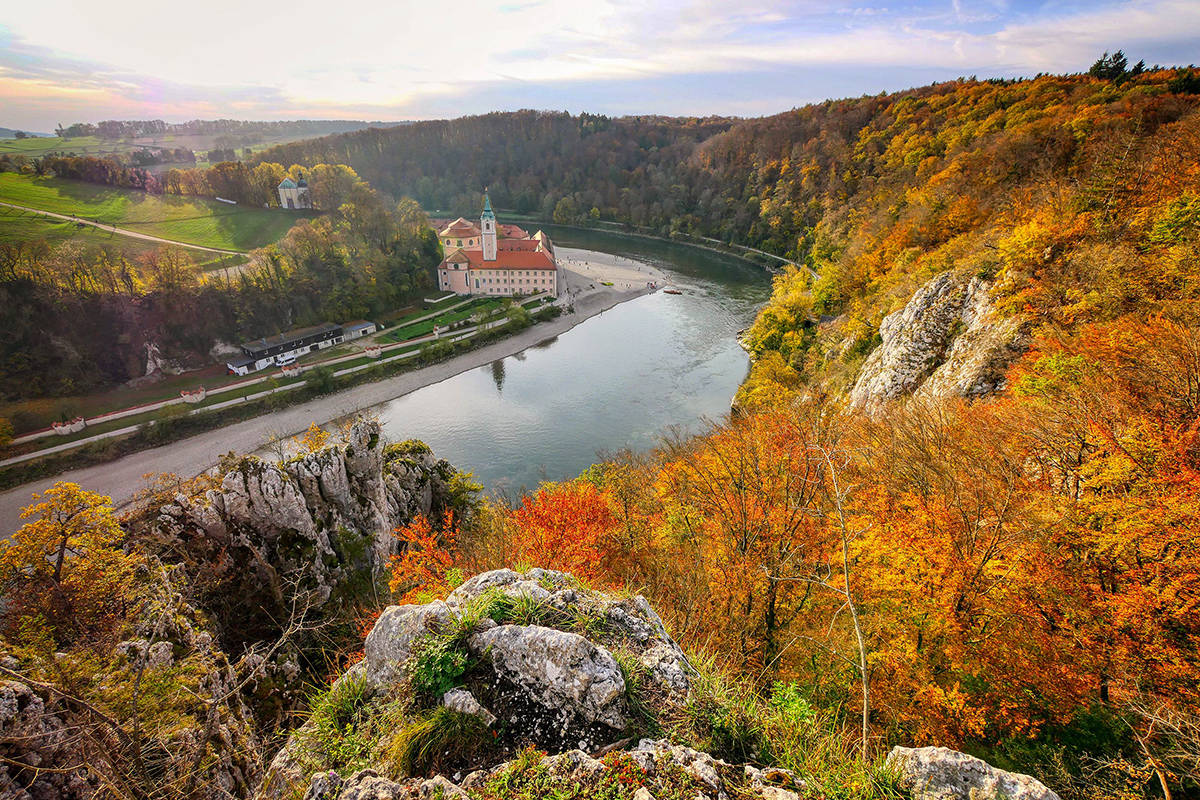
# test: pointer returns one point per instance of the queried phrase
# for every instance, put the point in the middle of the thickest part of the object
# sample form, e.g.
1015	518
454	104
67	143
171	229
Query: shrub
335	725
731	721
437	665
166	425
320	380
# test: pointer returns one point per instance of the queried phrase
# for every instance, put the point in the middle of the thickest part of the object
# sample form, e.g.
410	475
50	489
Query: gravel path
122	478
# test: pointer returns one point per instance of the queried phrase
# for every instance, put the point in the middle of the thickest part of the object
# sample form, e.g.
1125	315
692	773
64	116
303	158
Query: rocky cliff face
329	513
947	341
54	747
572	672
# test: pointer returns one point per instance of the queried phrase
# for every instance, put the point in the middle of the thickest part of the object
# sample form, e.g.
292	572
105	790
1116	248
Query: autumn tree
66	565
566	526
313	439
422	568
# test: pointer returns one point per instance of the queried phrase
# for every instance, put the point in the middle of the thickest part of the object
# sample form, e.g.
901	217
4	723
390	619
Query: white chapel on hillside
294	194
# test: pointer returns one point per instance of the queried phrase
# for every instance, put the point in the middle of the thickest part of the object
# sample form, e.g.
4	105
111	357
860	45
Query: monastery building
498	260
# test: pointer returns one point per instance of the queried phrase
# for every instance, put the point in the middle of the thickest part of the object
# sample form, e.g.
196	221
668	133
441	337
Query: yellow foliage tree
66	564
313	439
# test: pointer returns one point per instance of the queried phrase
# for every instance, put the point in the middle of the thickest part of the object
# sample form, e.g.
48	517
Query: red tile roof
460	227
518	244
505	259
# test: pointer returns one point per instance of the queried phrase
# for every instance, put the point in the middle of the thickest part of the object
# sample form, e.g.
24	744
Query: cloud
422	58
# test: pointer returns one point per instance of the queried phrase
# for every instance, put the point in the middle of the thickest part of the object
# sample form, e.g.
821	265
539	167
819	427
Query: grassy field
25	226
185	219
82	146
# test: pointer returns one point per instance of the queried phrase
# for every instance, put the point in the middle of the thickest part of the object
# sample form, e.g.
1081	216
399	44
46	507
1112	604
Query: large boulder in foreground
545	700
557	669
543	663
938	773
630	622
391	640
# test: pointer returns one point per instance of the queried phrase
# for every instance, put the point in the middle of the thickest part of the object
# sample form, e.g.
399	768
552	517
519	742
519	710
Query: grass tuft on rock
443	741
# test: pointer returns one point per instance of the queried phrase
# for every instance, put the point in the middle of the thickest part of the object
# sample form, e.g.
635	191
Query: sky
64	61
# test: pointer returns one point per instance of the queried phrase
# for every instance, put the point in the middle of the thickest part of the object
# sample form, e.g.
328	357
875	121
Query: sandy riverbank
583	273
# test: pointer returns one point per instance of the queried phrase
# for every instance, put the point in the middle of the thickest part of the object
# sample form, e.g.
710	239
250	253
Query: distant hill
11	133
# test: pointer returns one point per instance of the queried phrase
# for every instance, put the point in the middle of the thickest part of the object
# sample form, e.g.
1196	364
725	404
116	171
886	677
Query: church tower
487	223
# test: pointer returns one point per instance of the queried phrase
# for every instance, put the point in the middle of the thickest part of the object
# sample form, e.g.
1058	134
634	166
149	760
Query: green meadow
192	220
26	226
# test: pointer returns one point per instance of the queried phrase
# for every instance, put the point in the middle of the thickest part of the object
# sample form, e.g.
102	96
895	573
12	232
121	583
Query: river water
620	379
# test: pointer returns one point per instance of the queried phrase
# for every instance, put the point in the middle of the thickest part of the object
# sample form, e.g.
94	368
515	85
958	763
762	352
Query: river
621	379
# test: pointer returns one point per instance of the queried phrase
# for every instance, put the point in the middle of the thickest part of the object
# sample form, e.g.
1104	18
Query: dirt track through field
122	231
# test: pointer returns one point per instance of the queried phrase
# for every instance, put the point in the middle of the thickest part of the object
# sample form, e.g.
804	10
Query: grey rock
511	584
701	766
324	786
948	340
631	620
161	654
560	670
464	702
36	734
938	773
439	788
390	642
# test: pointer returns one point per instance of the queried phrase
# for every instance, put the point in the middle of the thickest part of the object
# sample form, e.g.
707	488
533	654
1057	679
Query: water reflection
618	380
497	368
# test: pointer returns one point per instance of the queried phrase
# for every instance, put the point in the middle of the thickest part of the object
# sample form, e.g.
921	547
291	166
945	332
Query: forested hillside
1017	575
1074	195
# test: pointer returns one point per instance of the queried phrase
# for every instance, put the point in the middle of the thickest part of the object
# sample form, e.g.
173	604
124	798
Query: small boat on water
670	290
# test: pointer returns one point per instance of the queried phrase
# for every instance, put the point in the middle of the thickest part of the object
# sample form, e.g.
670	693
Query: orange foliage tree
66	566
567	526
422	568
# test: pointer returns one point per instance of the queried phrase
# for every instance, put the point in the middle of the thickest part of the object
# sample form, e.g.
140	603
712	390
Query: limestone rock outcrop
631	620
937	773
391	640
928	773
544	667
548	663
661	767
329	512
948	340
33	735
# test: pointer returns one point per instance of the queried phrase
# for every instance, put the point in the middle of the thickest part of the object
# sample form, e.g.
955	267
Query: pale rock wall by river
947	341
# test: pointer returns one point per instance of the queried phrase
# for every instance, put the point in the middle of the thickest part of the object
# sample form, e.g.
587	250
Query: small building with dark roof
358	329
289	346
